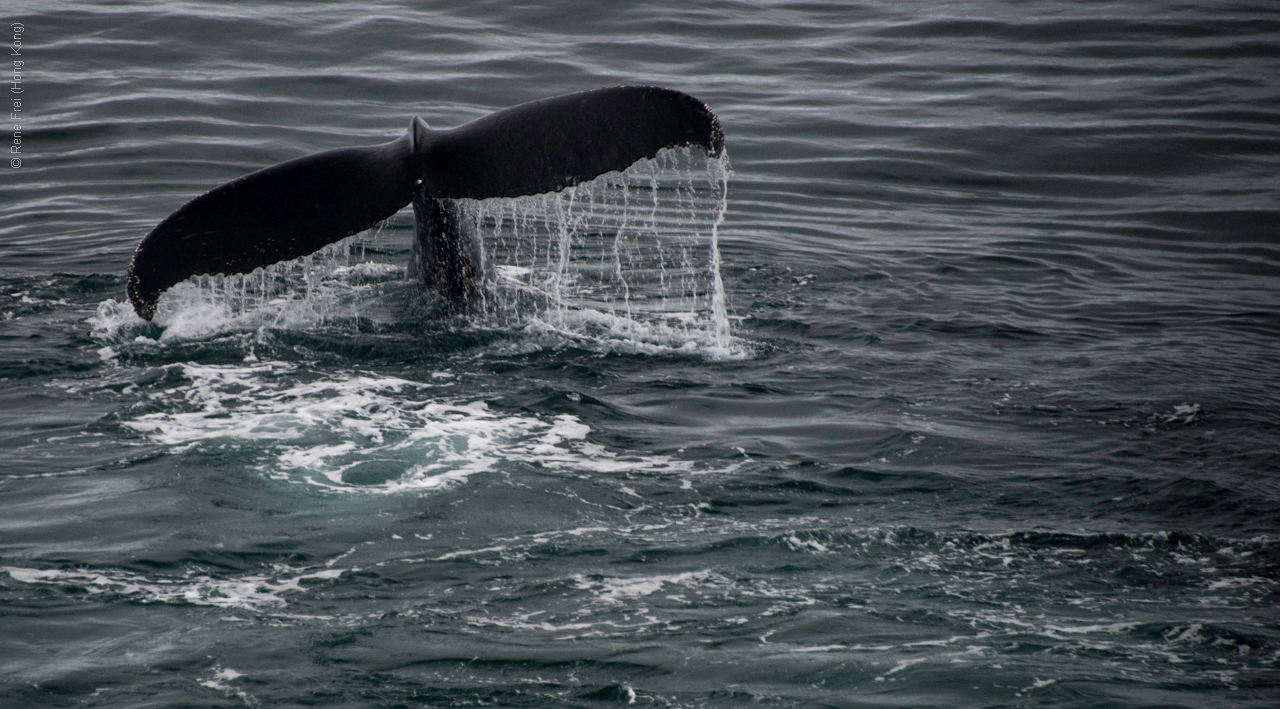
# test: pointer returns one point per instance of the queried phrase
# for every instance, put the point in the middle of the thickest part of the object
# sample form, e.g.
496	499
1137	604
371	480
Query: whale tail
298	207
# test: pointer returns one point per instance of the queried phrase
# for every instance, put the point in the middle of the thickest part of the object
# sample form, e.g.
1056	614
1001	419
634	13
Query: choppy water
993	423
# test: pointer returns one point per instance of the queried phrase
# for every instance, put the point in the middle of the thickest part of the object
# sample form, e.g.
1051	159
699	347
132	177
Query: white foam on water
678	333
221	680
614	589
249	592
354	432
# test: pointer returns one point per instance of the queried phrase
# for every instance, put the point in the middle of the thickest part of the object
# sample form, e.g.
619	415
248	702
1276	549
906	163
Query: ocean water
956	385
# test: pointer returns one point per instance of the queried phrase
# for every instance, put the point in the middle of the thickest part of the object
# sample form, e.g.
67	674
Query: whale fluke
547	145
298	207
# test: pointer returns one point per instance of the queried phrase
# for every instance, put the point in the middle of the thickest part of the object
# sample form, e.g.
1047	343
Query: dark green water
995	422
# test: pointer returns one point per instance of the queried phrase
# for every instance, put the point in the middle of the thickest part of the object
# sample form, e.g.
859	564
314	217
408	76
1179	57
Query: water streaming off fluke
628	260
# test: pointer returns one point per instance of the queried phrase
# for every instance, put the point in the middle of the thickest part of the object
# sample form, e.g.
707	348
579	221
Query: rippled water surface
988	416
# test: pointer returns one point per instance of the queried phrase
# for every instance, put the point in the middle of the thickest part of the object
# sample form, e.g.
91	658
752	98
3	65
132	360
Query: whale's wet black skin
298	207
447	253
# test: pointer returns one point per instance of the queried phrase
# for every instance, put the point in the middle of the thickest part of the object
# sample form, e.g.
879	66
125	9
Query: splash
333	284
629	261
631	256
